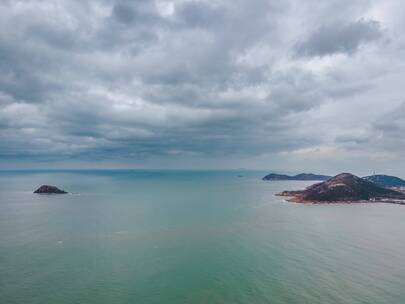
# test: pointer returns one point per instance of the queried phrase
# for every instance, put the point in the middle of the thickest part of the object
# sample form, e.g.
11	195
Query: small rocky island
46	189
345	188
298	177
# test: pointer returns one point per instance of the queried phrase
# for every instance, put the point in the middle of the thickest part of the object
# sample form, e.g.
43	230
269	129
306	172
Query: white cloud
245	83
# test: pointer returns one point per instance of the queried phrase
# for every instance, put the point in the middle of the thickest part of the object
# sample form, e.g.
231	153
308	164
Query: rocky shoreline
292	199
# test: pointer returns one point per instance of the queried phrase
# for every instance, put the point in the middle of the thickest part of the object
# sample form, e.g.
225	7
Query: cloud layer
261	84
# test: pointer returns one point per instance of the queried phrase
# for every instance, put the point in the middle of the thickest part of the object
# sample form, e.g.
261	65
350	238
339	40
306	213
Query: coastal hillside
344	187
298	177
386	181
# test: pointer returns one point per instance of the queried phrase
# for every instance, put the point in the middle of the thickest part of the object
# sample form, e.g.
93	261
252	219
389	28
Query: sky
286	85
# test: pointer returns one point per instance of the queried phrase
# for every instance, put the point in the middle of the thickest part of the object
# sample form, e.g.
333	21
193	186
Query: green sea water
191	237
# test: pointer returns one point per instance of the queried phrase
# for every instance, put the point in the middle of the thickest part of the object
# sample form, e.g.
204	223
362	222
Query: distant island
345	188
46	189
386	181
298	177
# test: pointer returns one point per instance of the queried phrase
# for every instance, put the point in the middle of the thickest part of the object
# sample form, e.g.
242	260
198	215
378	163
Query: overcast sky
266	84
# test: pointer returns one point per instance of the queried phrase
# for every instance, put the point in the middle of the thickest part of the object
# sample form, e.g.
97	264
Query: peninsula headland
345	188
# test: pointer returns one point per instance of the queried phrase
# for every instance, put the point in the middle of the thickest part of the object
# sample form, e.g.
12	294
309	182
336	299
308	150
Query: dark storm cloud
343	38
212	80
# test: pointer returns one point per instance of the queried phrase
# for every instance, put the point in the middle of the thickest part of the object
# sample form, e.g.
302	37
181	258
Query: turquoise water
191	237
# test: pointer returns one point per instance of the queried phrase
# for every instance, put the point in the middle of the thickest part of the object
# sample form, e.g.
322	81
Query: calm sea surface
191	237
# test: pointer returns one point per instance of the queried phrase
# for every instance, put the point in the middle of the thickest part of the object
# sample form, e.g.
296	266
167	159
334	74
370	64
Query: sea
173	236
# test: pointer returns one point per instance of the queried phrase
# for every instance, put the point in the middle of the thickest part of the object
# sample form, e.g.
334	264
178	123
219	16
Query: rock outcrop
46	189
